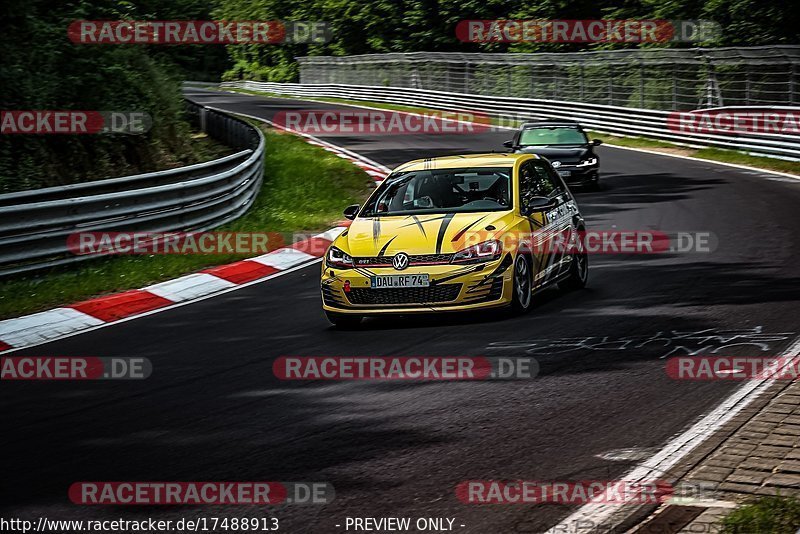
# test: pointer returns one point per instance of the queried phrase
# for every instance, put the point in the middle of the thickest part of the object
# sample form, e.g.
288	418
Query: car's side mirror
350	212
537	204
596	142
508	144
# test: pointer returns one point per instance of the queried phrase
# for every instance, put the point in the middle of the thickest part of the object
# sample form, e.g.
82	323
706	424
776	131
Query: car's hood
567	155
439	233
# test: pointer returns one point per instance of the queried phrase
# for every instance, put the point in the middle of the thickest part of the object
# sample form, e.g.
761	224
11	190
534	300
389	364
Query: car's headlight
486	251
587	162
339	258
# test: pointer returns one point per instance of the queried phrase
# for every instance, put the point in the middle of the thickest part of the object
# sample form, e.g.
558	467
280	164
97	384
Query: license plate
399	280
564	174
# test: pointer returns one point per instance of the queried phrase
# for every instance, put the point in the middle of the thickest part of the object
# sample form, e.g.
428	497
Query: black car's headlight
339	258
588	162
486	251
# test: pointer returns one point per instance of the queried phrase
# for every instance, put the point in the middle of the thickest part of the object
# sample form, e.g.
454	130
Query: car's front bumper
579	175
452	288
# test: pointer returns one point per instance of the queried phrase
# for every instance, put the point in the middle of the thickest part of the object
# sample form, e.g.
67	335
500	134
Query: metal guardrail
35	224
616	120
652	78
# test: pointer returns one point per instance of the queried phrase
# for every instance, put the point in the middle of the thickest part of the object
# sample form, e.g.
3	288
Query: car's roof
548	123
467	160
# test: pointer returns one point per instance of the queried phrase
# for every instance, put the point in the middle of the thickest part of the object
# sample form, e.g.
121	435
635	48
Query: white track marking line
313	140
711	161
676	449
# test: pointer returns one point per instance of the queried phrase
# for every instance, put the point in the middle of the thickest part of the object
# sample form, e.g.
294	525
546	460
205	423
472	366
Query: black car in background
565	145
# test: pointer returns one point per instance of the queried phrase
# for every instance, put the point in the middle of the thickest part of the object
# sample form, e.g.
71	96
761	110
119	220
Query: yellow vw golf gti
455	233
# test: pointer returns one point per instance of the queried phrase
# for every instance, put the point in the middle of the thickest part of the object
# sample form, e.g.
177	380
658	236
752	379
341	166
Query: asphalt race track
212	409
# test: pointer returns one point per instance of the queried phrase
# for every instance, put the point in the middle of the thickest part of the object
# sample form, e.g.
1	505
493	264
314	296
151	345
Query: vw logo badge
556	164
400	261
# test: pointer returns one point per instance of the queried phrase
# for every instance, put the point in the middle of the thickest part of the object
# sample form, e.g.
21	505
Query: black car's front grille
405	295
418	259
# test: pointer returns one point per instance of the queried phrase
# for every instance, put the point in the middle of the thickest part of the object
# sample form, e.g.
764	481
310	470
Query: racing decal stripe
383	250
419	224
442	228
454	275
464	230
535	223
498	272
376	230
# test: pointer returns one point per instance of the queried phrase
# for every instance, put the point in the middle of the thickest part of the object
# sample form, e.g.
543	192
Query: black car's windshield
552	136
442	191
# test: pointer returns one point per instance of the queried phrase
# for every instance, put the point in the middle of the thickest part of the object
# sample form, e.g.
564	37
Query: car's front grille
497	289
417	259
330	297
404	295
379	260
430	258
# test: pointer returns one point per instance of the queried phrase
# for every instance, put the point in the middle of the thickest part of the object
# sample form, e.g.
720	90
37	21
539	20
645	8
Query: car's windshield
552	136
442	191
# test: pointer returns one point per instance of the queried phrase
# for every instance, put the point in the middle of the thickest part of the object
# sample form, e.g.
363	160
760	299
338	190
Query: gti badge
400	261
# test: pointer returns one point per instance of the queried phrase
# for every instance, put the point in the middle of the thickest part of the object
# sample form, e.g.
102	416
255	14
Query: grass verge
768	515
305	189
711	154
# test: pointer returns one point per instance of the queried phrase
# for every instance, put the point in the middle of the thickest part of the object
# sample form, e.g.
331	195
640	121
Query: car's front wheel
344	320
578	272
523	279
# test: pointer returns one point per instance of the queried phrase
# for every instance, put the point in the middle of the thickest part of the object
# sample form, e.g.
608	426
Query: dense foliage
375	26
42	69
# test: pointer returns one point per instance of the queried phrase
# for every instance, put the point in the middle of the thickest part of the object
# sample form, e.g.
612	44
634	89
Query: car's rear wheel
523	279
578	272
344	320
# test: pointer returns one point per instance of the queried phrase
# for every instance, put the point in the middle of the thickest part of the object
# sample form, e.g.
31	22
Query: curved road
213	411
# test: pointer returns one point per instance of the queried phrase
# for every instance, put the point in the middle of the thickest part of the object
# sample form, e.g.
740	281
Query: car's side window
560	185
535	181
556	179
